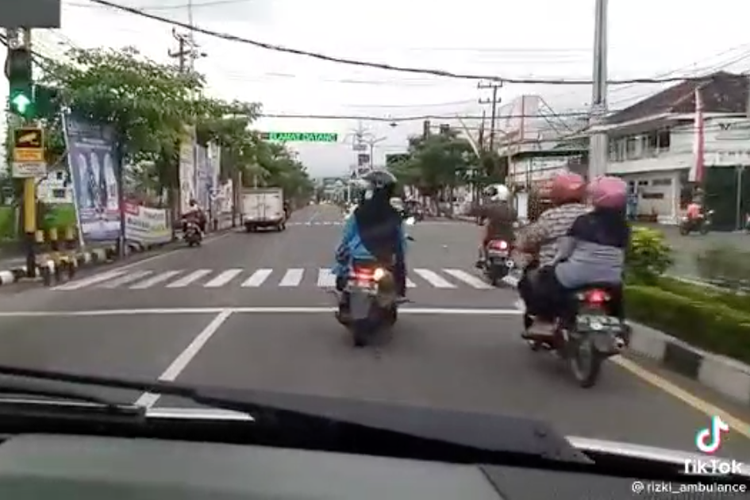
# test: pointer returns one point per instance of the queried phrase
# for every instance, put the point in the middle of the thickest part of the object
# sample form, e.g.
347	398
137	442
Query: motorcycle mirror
410	221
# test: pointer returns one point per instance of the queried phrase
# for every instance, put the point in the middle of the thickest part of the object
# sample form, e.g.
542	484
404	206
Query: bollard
58	268
54	239
46	275
70	237
72	266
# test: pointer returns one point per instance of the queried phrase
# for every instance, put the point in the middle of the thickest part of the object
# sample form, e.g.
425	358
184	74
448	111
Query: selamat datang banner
147	226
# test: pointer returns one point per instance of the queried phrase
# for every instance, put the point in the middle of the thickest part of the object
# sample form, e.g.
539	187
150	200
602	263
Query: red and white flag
697	172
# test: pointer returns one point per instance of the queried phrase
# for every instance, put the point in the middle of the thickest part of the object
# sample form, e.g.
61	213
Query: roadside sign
28	152
300	136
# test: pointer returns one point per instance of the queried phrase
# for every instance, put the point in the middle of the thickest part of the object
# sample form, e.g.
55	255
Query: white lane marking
97	278
250	310
185	357
434	278
410	283
189	279
257	279
124	280
469	279
293	277
223	278
155	280
326	278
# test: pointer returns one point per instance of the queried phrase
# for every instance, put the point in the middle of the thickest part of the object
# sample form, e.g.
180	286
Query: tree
436	165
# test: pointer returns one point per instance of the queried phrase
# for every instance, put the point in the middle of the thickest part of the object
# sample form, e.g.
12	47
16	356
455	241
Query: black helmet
380	180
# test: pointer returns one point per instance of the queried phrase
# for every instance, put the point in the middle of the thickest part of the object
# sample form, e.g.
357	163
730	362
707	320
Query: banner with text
147	226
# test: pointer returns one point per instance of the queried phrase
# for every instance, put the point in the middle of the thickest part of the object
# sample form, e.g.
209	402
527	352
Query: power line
387	67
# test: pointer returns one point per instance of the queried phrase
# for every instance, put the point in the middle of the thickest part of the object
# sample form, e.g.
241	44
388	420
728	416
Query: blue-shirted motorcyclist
374	231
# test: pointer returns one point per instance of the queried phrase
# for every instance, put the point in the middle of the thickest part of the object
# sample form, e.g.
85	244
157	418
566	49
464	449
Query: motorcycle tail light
499	245
364	274
596	297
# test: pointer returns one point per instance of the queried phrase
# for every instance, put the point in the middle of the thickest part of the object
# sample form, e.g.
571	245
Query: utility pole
494	101
185	50
598	147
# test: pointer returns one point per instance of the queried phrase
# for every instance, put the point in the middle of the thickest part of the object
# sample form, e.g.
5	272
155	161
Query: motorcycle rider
374	232
194	214
500	217
592	251
567	193
694	213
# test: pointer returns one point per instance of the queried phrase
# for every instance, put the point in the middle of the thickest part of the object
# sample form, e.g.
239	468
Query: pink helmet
567	188
608	192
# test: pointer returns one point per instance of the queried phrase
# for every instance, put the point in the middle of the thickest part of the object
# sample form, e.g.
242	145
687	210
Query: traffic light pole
29	196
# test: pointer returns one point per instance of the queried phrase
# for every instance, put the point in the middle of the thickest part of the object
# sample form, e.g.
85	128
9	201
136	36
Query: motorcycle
498	262
701	224
193	235
372	297
591	334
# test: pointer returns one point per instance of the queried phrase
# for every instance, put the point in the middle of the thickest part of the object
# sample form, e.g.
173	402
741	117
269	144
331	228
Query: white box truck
263	208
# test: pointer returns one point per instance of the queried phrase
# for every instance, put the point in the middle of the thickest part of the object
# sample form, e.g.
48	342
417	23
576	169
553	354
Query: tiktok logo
708	440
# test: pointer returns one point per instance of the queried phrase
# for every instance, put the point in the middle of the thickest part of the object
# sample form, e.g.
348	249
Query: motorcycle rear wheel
585	362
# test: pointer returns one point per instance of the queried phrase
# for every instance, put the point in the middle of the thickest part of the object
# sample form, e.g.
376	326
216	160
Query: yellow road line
695	402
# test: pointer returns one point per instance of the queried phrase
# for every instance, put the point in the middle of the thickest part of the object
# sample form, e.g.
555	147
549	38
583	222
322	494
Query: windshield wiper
323	423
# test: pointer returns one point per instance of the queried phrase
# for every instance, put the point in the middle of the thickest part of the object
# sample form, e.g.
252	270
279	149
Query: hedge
709	325
740	302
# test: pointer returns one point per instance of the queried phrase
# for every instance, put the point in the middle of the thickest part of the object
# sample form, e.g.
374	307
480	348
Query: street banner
187	168
147	226
92	160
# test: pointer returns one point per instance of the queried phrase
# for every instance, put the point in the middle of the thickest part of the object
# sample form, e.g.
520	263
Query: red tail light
596	297
499	245
363	273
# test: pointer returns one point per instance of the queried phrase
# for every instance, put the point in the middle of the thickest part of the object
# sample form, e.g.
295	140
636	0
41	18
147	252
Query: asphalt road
457	346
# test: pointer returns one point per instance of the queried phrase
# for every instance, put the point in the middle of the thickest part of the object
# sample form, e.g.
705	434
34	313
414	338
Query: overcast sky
533	38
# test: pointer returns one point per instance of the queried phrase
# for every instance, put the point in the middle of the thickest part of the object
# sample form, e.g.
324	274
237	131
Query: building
651	146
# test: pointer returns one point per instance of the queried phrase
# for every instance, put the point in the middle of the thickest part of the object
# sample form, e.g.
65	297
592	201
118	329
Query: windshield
277	287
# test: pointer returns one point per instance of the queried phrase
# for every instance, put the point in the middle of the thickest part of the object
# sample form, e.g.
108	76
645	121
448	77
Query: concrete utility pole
494	101
598	147
185	50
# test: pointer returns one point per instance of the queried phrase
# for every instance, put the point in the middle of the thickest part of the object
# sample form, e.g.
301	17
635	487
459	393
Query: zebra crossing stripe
257	279
155	280
124	280
293	277
434	278
189	279
326	279
469	279
223	278
98	278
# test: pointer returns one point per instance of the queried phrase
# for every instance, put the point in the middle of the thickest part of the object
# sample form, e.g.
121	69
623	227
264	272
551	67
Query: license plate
497	253
598	323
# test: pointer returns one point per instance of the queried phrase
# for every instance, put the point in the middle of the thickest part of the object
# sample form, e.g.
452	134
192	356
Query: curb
727	376
53	263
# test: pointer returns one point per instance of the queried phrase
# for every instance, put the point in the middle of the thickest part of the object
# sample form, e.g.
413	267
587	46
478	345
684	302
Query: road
249	311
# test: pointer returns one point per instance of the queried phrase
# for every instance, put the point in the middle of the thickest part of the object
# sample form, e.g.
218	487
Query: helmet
567	188
380	181
497	192
608	192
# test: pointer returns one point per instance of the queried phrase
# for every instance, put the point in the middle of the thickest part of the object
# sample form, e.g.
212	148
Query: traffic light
18	71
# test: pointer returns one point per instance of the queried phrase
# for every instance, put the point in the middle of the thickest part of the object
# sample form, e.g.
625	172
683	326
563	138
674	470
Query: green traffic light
21	103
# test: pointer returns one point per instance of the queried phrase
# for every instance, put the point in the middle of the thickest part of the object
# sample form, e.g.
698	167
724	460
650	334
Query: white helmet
497	192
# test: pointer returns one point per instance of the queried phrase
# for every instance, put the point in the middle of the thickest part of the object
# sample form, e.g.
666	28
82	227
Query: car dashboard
37	466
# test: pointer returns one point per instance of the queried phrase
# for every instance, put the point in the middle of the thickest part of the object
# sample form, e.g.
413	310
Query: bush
726	266
705	324
648	256
730	299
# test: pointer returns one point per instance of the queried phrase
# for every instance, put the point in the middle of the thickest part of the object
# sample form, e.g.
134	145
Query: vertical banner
214	168
92	160
187	168
202	194
696	171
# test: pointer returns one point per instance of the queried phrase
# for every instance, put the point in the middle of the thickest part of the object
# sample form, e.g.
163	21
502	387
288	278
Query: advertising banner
92	151
147	226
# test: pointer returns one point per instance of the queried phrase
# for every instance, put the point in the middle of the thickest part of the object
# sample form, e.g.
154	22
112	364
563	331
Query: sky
533	39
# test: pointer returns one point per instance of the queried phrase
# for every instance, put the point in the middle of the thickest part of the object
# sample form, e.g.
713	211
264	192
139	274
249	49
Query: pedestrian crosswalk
142	279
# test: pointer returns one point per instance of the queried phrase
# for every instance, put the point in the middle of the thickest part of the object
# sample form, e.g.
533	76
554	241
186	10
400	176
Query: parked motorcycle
701	224
592	333
372	297
193	236
498	262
